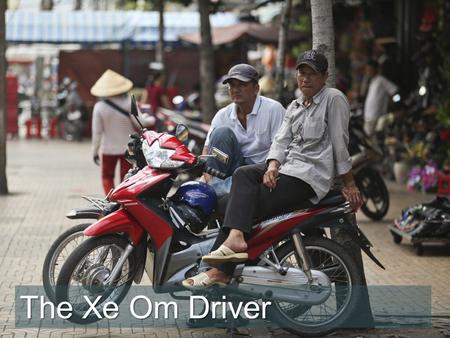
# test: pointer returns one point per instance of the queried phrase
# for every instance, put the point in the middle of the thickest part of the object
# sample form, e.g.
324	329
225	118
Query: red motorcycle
311	281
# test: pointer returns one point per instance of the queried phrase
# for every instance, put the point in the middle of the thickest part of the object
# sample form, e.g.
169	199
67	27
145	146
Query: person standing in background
155	93
111	125
379	90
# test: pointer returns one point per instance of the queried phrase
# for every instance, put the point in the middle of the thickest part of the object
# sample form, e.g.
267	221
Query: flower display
423	178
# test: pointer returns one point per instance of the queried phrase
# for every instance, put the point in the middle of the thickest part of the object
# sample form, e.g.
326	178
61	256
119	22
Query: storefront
410	41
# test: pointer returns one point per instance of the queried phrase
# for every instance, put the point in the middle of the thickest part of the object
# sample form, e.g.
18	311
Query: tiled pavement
47	178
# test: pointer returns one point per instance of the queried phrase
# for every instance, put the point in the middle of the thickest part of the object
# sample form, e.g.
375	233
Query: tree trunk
323	40
77	5
160	46
323	34
120	4
46	5
3	181
281	54
96	5
207	73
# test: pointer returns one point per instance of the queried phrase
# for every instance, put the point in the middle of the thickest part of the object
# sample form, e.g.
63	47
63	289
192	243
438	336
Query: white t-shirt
377	99
262	124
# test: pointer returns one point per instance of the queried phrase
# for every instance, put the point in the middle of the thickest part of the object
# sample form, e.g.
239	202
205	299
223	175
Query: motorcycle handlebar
201	167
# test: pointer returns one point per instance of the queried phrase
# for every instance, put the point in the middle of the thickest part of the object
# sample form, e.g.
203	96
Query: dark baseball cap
314	59
242	72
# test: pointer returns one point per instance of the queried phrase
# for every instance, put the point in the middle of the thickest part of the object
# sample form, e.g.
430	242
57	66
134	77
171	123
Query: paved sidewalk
47	178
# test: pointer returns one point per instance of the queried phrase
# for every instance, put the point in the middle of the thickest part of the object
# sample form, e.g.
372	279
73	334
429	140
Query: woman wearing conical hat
111	125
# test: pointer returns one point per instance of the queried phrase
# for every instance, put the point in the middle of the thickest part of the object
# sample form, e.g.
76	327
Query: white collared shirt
262	125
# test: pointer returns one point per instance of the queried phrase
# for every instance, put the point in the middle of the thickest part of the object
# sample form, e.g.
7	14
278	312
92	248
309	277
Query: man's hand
206	178
353	196
96	159
271	175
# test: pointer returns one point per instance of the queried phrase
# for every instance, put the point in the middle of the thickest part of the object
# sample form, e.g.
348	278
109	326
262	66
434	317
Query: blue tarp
27	26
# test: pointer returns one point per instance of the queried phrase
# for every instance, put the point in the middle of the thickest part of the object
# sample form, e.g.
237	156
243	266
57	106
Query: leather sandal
225	255
201	282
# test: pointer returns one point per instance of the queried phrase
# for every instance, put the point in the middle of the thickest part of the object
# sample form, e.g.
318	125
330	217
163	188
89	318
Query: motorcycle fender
356	234
141	259
365	246
84	213
116	222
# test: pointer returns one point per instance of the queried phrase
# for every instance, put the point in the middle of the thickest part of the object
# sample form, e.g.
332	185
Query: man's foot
225	255
207	279
236	244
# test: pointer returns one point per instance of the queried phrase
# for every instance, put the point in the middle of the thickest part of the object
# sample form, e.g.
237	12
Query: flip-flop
225	255
201	282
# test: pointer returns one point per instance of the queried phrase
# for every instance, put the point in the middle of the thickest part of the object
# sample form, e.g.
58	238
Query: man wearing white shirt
244	129
380	90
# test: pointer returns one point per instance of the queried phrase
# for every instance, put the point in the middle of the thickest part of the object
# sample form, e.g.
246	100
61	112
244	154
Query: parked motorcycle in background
71	111
365	156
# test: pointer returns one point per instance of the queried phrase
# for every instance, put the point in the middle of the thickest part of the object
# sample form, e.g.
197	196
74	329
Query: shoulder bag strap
117	108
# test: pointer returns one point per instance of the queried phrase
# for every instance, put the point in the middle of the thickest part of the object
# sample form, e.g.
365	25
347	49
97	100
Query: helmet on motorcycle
198	195
191	206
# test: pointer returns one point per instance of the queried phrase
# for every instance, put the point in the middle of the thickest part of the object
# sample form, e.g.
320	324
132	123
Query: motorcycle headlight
158	157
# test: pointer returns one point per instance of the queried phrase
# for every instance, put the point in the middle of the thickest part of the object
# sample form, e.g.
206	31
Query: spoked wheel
374	193
86	272
60	250
312	320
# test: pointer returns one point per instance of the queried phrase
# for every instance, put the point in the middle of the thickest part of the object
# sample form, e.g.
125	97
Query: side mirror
134	108
182	132
219	155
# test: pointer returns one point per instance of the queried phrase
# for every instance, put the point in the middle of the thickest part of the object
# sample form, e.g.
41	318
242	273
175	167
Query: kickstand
232	330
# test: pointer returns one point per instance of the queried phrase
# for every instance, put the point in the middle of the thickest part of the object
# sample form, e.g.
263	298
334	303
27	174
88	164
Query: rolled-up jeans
224	139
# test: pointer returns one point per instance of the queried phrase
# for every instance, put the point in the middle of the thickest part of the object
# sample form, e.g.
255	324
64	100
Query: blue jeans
223	138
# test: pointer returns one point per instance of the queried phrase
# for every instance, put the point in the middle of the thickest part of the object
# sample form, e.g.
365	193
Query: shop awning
27	26
248	32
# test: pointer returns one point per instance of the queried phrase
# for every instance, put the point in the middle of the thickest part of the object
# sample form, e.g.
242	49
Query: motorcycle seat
334	197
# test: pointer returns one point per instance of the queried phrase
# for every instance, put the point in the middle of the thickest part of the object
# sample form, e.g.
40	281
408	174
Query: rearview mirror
134	108
182	132
220	155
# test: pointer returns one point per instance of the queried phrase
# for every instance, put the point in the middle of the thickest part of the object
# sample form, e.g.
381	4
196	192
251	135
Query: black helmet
187	217
192	205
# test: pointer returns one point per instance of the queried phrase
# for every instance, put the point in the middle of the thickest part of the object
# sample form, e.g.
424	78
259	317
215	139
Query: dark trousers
224	139
250	199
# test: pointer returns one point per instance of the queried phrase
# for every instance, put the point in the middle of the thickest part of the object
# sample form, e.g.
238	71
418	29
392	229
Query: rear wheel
61	248
312	320
85	272
374	192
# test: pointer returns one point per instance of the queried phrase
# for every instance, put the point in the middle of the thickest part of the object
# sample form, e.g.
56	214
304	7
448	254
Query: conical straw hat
111	84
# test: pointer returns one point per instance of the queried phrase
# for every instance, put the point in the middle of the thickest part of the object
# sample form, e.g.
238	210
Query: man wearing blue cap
245	129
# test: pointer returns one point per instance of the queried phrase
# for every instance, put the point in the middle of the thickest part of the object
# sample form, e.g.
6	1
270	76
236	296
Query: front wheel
57	255
85	272
374	192
345	278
